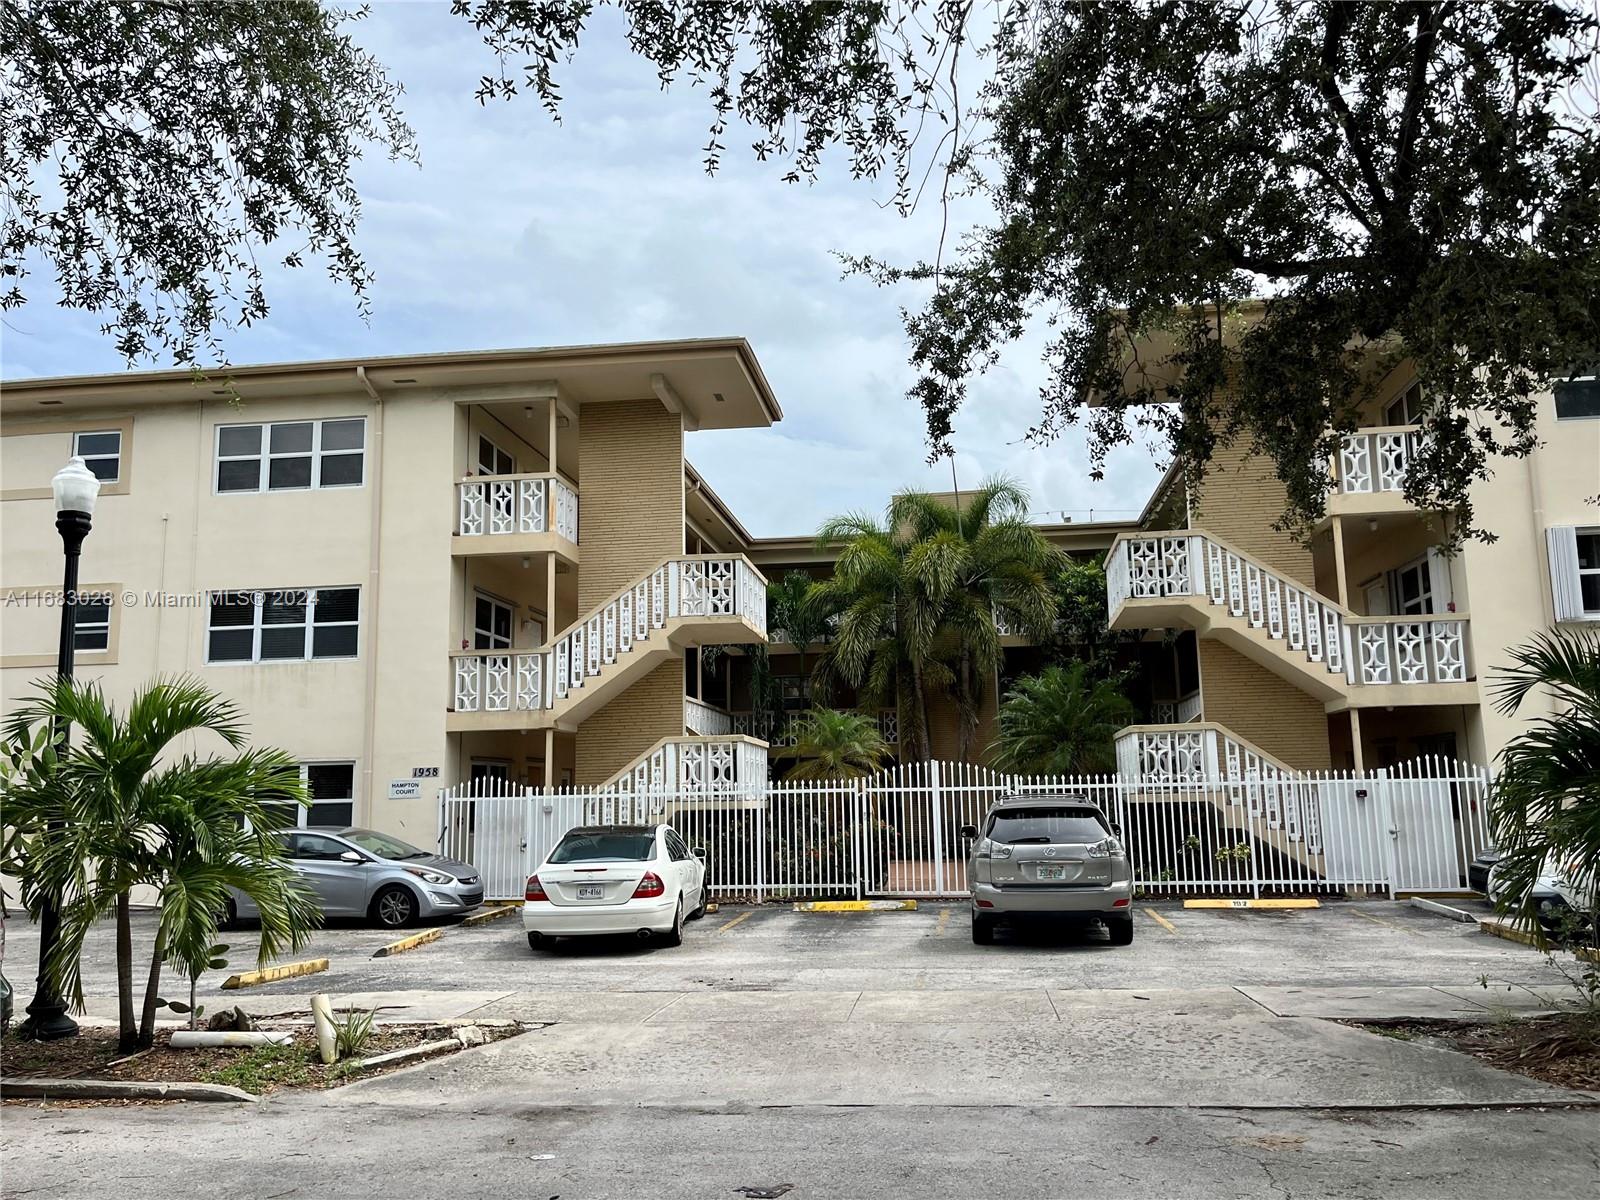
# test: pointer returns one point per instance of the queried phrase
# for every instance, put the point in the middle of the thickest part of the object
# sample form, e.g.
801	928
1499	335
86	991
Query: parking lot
775	948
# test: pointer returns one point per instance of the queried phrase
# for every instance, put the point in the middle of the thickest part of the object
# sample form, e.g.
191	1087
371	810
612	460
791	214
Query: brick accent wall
1262	707
624	729
1239	501
944	727
630	471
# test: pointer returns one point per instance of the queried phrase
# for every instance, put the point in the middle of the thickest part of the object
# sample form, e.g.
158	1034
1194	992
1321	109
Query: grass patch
265	1067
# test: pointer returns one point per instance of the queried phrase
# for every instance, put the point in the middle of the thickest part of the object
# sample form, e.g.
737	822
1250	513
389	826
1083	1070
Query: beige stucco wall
1505	586
170	534
944	726
1262	707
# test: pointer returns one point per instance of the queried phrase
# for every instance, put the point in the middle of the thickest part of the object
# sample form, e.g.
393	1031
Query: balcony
705	720
1370	470
1192	580
685	601
516	514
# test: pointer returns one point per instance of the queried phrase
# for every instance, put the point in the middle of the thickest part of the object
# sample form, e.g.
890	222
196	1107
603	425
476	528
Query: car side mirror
352	856
699	852
969	831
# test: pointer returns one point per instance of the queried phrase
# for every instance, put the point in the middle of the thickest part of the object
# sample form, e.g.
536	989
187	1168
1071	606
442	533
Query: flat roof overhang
718	380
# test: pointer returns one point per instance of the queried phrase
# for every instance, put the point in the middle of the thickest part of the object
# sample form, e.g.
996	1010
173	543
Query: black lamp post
75	488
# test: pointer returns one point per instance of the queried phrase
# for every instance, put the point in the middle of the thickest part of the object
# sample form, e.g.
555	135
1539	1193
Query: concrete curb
409	943
119	1089
294	970
493	913
1511	933
1299	903
1444	910
857	906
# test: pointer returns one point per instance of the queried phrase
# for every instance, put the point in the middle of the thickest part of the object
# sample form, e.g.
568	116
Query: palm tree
883	636
1545	805
1062	721
973	567
121	809
831	744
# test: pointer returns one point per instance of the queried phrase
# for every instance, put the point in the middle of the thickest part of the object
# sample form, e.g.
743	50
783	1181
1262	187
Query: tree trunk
919	708
127	1031
147	1023
968	714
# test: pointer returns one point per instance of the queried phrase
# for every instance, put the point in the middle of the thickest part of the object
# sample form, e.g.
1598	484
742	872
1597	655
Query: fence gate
898	832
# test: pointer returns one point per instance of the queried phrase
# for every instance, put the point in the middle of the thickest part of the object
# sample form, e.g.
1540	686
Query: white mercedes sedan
616	879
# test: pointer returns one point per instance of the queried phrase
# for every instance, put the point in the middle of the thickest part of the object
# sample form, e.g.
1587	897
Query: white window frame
1566	587
1424	568
263	457
305	782
500	452
496	603
81	626
94	458
1402	398
1593	375
310	626
1589	614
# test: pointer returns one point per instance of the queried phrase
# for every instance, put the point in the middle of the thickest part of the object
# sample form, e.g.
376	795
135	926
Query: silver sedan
361	873
1054	857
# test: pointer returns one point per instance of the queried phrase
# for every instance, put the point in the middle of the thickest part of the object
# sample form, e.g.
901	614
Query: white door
1376	597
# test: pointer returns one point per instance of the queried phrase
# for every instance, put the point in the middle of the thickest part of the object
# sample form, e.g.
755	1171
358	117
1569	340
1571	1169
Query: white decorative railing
1178	757
704	719
1426	649
1422	649
690	586
1176	712
711	767
494	504
889	725
1376	459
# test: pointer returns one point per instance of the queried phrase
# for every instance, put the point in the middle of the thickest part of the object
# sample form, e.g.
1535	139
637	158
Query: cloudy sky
516	231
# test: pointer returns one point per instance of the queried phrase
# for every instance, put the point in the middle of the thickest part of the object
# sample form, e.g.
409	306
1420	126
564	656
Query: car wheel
537	941
982	930
394	907
704	898
674	936
1121	930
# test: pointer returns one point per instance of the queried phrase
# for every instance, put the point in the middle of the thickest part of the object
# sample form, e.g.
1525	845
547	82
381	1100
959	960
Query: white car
616	879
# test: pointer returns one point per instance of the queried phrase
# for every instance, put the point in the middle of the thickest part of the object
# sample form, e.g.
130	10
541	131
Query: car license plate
1052	871
591	891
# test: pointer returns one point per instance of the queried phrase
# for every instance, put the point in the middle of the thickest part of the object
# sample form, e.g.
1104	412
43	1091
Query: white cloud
517	231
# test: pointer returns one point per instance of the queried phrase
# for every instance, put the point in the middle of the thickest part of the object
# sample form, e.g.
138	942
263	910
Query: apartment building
419	571
1372	645
407	572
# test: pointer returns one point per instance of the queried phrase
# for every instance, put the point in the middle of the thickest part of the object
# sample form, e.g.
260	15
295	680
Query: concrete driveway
811	1055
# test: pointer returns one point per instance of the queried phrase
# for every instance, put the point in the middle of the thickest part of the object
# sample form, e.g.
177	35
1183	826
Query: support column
1343	584
549	761
551	625
1355	741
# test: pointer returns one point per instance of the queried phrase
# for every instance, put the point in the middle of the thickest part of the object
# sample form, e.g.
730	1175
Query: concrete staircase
1191	579
684	601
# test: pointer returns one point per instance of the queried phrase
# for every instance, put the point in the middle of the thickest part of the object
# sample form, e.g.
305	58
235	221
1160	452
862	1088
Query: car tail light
535	889
1121	903
650	885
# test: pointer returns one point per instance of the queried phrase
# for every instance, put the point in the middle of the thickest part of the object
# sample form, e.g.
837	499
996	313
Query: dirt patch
1562	1049
94	1054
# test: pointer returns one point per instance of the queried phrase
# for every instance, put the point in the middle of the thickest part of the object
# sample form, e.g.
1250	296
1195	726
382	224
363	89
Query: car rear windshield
1016	826
605	847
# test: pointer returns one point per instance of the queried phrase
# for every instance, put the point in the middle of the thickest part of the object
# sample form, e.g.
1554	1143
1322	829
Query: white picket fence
898	833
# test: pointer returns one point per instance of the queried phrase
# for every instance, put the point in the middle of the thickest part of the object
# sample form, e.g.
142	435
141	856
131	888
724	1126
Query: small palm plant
832	744
1062	721
1545	807
120	808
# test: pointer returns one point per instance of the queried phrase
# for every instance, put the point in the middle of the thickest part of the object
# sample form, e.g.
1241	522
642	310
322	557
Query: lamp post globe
75	489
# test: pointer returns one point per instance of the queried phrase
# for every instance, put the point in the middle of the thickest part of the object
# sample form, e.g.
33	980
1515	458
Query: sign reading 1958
424	772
